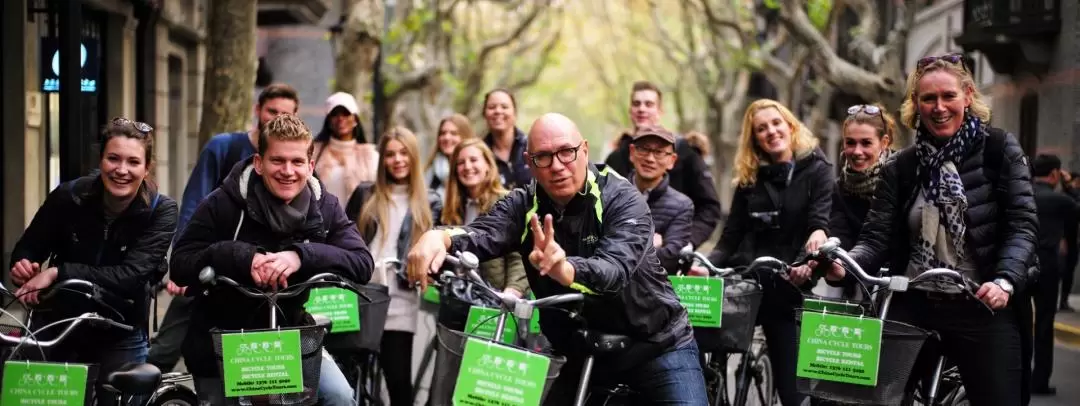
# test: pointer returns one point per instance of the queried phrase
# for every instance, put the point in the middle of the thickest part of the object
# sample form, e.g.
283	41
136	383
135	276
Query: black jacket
360	196
124	257
328	242
514	173
1001	216
1057	217
848	214
690	176
672	215
610	247
804	205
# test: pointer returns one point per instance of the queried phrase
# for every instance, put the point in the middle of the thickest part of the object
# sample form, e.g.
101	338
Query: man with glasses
653	155
585	229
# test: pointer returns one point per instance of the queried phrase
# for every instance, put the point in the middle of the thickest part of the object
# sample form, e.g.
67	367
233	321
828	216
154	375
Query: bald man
585	229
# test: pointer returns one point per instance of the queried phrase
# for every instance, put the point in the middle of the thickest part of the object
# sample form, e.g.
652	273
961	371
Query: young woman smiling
473	190
112	229
868	134
781	208
505	139
391	214
453	130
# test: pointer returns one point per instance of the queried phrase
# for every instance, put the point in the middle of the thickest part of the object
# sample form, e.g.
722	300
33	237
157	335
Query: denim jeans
673	378
165	346
334	389
131	348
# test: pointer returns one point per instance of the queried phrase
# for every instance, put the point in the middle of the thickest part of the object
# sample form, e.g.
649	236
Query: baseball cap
342	99
654	131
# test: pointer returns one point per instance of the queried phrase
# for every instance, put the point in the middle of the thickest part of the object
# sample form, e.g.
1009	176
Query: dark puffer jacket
327	242
672	215
1001	217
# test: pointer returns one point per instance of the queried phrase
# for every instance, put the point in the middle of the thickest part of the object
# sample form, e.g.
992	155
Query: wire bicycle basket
311	341
742	300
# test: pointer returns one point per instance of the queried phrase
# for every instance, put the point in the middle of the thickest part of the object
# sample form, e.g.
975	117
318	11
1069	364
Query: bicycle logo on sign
258	348
832	331
499	363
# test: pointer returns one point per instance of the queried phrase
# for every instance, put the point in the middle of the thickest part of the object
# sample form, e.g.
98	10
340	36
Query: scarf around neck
284	219
861	183
943	215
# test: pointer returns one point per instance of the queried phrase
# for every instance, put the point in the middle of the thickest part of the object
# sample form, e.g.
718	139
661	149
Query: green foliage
772	4
818	11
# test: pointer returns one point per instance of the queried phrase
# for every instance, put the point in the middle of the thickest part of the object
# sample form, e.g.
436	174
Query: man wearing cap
653	154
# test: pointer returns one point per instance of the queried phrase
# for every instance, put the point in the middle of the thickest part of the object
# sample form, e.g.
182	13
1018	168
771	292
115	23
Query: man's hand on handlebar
697	271
272	270
992	294
798	275
24	270
427	256
28	292
547	255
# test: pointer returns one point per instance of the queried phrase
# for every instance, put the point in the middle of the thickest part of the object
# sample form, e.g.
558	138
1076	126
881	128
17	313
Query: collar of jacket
656	191
89	191
516	149
586	196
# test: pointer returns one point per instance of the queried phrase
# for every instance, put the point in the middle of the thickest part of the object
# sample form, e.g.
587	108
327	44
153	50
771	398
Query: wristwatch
1005	285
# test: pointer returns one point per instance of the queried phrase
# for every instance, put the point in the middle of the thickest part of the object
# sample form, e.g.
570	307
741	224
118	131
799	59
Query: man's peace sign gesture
547	256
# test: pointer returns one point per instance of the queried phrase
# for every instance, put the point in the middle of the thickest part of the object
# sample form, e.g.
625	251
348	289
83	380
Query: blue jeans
334	389
129	349
673	378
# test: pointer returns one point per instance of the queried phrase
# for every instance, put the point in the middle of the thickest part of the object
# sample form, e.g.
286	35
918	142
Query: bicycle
900	341
742	299
279	386
128	382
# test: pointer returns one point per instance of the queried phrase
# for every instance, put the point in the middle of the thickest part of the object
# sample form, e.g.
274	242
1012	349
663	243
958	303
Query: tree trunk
357	53
230	68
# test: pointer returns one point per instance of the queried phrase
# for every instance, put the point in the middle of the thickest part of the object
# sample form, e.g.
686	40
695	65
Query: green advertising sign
431	294
829	306
839	348
497	375
703	298
482	322
38	383
262	363
341	306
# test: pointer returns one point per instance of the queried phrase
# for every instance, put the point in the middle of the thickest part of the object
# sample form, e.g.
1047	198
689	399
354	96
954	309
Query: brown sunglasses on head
953	58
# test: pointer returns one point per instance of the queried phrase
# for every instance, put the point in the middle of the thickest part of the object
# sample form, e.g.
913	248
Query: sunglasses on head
139	126
868	109
953	58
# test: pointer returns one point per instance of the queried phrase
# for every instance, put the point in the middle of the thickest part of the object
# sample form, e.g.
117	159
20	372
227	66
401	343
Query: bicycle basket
372	321
311	340
448	361
454	310
900	346
742	299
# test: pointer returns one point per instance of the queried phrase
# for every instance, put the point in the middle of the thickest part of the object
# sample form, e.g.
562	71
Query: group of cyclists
276	204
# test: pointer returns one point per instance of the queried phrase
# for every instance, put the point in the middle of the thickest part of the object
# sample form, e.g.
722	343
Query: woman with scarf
453	130
343	156
960	198
391	214
781	208
868	134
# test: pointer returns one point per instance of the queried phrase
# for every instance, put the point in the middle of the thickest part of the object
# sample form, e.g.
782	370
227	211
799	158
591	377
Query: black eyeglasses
139	126
656	153
953	58
545	159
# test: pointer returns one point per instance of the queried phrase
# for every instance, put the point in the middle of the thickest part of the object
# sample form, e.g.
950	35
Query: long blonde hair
908	111
491	188
464	129
376	210
748	157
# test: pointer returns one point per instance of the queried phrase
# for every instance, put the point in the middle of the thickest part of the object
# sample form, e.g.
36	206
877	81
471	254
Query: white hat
342	99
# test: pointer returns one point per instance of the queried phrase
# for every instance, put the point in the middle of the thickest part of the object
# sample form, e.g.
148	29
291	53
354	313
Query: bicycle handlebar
208	277
74	322
831	249
466	263
761	263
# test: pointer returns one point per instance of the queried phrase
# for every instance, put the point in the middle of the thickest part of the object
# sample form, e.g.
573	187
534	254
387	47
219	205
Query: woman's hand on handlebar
697	270
798	275
992	294
28	292
174	289
24	270
513	292
427	256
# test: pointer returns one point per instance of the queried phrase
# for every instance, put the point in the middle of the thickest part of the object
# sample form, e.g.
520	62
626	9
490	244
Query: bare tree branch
864	44
541	65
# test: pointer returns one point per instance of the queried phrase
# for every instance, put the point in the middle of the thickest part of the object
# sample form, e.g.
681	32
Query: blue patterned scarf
943	220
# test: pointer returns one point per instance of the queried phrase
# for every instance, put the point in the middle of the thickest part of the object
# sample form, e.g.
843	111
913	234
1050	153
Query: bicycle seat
603	343
134	379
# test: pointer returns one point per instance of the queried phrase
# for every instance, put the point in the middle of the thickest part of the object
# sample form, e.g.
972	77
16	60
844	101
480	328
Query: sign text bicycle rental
839	348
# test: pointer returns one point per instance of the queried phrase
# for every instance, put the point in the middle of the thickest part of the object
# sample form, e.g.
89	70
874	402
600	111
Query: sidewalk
1067	324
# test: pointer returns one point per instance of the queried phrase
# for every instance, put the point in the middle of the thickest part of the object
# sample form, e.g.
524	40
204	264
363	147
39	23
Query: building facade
1027	63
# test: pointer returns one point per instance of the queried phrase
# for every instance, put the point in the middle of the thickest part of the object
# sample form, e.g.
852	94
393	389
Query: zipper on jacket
101	248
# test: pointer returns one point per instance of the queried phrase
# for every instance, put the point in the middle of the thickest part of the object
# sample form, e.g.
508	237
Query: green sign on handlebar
40	383
337	304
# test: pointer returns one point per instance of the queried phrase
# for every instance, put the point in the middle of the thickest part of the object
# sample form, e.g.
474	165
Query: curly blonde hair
908	112
456	195
749	155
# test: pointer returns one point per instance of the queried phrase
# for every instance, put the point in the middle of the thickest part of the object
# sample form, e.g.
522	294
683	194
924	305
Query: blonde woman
391	214
453	130
473	190
781	208
960	198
